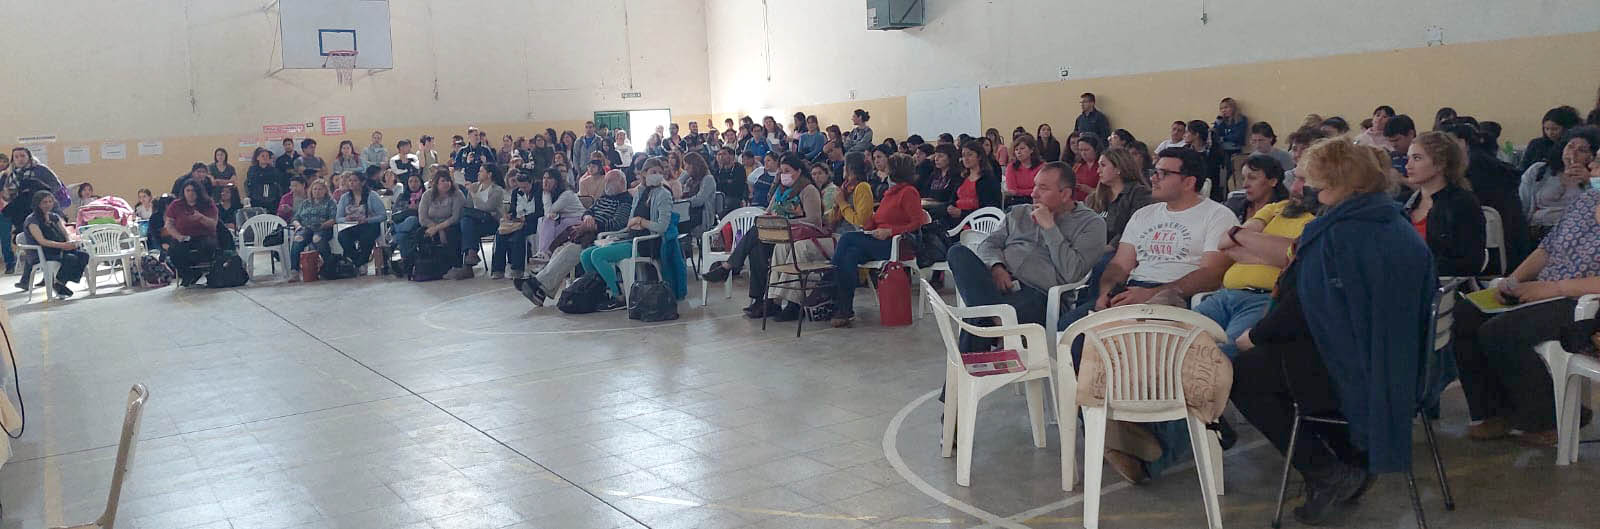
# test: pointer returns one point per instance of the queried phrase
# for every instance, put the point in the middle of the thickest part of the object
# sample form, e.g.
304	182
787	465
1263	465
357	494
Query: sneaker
532	290
471	260
11	269
361	270
497	275
63	292
841	321
294	278
612	305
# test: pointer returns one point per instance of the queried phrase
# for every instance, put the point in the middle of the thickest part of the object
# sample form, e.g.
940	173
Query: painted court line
431	309
891	452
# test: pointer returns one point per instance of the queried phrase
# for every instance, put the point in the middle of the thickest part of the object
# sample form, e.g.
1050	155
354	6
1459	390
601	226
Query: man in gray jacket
1053	241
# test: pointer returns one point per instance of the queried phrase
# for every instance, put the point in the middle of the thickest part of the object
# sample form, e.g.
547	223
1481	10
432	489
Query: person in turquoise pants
650	215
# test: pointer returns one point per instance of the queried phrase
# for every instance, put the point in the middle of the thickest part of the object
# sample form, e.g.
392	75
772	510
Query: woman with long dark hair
191	230
348	160
979	187
47	229
561	209
1049	146
363	207
264	182
898	213
1087	152
228	205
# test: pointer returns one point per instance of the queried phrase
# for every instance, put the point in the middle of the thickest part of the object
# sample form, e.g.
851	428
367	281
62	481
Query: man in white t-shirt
1169	248
1170	245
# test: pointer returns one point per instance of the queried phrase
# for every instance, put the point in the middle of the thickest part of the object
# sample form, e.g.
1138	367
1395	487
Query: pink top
1019	179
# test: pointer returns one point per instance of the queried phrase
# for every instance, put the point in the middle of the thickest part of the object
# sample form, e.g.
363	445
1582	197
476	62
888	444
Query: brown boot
1127	466
1542	439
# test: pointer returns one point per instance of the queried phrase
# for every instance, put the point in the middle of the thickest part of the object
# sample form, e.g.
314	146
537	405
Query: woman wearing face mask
650	214
799	200
791	200
608	214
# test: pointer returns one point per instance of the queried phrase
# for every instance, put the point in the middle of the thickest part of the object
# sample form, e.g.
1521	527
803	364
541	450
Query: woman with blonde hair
1348	317
1443	209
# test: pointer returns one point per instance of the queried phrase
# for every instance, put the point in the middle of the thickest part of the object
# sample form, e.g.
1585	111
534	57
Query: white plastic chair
254	232
1143	358
970	231
1052	309
1494	240
48	268
1567	372
910	263
125	449
108	244
742	220
963	391
1205	189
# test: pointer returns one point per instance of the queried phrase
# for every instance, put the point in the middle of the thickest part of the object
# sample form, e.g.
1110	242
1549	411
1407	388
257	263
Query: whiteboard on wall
953	110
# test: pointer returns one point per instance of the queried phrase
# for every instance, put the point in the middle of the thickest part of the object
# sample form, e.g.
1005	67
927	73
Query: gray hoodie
1045	258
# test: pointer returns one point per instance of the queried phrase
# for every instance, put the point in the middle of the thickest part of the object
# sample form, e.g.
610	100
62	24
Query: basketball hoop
343	62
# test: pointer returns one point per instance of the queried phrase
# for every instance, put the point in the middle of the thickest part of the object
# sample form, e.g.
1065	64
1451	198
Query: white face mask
654	178
786	179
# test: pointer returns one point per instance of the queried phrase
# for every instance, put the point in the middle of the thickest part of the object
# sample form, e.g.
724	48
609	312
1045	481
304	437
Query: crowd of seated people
1388	210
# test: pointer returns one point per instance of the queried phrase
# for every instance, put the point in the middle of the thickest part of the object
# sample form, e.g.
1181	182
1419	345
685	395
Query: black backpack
652	301
337	267
227	272
431	259
583	295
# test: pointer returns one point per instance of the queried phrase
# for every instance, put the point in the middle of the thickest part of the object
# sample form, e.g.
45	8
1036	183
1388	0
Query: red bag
310	264
894	296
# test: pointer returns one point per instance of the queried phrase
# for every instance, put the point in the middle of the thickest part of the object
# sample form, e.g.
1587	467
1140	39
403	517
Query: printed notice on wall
41	154
332	125
113	151
77	155
151	148
249	142
278	132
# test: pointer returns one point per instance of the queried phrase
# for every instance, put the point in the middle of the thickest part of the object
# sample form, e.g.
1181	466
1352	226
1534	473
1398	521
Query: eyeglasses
1162	174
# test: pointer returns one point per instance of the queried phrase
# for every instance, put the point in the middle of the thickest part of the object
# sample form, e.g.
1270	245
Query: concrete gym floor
375	403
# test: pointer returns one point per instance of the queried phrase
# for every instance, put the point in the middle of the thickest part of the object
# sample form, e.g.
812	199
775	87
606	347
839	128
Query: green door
615	120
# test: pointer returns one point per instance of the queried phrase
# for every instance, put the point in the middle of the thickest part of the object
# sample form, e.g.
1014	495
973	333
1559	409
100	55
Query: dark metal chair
774	230
1444	300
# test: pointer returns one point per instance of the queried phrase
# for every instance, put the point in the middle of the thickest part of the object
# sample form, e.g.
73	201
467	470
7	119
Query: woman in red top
1088	148
899	212
979	187
1025	165
191	230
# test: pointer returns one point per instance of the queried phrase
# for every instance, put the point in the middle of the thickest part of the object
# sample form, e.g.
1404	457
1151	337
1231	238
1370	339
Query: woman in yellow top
1260	250
853	206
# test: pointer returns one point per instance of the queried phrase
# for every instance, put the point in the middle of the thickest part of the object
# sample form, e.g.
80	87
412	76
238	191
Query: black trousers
188	256
72	264
759	256
1262	382
357	242
1500	372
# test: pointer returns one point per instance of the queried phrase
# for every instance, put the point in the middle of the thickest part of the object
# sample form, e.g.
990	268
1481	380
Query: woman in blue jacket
1345	334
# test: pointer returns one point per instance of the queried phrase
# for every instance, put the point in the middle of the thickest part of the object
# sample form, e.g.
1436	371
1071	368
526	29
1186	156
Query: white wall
89	69
821	51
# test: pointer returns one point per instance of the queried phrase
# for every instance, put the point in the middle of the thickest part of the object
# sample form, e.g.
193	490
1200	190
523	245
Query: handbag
479	216
650	301
508	227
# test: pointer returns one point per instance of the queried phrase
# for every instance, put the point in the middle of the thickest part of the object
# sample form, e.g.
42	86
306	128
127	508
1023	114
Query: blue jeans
1236	311
472	234
307	237
853	249
511	248
402	233
7	249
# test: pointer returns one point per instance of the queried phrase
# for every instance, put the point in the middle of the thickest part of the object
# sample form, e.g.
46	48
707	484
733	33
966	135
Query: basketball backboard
313	28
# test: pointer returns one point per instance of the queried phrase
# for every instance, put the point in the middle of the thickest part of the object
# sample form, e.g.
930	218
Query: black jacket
1455	231
1495	184
264	186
